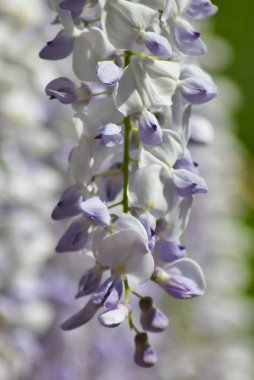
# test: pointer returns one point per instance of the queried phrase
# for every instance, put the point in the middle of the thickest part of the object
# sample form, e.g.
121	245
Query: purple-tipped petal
115	294
60	47
144	355
199	9
188	183
187	40
149	130
170	250
158	45
110	135
152	319
113	317
62	89
81	317
196	86
69	204
186	163
109	73
181	279
149	223
89	282
103	291
74	239
197	90
182	287
96	211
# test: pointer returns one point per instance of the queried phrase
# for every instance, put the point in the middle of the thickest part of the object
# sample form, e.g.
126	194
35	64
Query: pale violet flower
129	237
154	82
125	22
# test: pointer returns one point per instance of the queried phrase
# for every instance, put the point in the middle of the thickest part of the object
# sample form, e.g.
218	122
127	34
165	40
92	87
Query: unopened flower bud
152	319
145	356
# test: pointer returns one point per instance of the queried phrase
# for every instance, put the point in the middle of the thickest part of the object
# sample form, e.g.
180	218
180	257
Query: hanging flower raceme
131	176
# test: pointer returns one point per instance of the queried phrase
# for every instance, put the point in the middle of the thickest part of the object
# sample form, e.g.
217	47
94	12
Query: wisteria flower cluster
132	178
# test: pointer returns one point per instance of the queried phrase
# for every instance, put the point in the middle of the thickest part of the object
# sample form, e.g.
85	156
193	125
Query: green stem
126	161
126	154
87	22
107	173
115	204
127	298
102	93
136	294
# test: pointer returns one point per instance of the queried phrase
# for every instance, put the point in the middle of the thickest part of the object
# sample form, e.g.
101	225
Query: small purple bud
170	250
144	356
114	317
196	86
62	89
90	281
187	39
96	211
109	73
81	317
60	47
110	135
158	45
152	319
149	130
74	238
199	9
188	183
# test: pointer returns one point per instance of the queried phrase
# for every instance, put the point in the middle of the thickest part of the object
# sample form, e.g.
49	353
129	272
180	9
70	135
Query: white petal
177	219
165	154
146	83
201	130
112	250
124	21
127	95
80	167
139	264
129	222
152	188
188	268
90	47
114	317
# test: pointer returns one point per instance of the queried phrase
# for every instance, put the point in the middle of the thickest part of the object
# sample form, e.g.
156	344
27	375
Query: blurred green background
235	22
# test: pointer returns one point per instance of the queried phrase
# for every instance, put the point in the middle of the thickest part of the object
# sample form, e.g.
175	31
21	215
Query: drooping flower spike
131	176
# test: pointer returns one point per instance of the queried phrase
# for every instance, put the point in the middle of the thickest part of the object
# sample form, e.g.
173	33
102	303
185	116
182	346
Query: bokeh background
211	337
